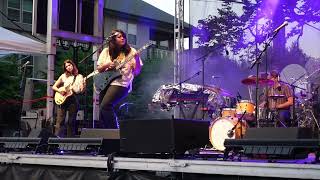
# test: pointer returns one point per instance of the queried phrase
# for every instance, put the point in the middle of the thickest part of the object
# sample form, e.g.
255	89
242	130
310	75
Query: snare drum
228	112
245	105
219	129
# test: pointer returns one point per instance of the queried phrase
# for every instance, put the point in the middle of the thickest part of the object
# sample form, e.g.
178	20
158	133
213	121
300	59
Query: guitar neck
132	56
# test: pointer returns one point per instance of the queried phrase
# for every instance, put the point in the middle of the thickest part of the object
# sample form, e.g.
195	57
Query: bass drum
219	128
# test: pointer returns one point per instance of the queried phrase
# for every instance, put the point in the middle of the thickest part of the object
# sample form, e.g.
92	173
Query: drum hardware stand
275	118
293	87
231	131
302	123
258	62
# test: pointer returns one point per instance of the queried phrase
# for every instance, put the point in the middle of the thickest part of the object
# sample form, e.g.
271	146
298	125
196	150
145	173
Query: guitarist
68	84
117	51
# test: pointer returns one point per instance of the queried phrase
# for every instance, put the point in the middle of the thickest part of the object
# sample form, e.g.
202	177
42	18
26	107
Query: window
20	10
27	11
14	10
130	30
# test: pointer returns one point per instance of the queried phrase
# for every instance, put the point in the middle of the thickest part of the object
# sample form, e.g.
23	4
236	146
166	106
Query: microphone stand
83	60
101	46
231	131
180	94
191	77
203	59
22	87
257	62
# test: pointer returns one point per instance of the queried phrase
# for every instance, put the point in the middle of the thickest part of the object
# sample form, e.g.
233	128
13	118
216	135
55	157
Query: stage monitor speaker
15	144
173	136
275	142
75	145
111	138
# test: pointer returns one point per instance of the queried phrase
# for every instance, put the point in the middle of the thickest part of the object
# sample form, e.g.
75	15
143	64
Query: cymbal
219	90
251	80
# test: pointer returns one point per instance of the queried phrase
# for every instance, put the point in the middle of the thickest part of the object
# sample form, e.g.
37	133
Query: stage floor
300	169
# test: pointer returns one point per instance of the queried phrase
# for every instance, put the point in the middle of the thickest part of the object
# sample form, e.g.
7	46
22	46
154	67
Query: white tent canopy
16	43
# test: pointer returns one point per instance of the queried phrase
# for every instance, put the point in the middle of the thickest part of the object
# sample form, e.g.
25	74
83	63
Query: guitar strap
74	79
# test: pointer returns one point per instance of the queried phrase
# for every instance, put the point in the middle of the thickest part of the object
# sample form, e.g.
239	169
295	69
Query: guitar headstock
146	46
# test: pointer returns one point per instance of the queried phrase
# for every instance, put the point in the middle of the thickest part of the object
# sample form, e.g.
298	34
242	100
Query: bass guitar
59	98
103	79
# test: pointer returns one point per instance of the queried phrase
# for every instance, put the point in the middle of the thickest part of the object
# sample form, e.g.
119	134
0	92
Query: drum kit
234	121
230	116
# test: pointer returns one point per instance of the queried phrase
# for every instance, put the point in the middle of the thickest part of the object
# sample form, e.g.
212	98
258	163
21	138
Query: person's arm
57	84
288	93
102	64
79	84
287	104
138	65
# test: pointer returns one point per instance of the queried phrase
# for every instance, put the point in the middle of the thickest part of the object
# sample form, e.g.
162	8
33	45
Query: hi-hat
251	80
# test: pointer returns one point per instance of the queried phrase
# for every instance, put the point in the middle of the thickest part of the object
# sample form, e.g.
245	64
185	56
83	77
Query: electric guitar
59	98
103	79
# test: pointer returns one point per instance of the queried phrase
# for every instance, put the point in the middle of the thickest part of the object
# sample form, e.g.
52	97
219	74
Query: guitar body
104	79
59	98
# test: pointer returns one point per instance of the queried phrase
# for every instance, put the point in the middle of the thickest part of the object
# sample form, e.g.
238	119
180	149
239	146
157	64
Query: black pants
110	97
70	105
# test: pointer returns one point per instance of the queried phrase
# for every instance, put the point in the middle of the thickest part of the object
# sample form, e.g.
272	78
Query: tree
259	18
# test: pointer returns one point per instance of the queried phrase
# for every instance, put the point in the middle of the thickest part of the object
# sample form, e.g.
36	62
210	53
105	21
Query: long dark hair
75	69
114	50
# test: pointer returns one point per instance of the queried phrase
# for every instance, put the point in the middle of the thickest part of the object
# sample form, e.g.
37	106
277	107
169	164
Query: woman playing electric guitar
119	88
68	84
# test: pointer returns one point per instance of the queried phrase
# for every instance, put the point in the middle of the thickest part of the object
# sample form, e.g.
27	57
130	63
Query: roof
139	8
16	43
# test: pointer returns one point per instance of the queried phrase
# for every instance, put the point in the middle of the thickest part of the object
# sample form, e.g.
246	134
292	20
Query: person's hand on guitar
66	90
106	66
62	90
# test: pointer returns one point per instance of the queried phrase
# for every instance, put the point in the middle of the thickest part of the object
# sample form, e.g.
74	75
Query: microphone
281	26
112	35
230	133
25	64
215	77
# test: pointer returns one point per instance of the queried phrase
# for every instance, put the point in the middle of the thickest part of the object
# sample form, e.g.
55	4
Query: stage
299	169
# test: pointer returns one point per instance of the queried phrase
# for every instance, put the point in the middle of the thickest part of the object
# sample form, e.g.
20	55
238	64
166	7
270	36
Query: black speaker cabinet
163	135
111	138
278	133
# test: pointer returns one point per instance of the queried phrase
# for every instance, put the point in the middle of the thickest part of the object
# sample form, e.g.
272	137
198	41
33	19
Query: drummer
280	99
